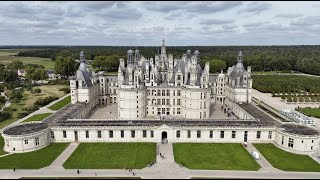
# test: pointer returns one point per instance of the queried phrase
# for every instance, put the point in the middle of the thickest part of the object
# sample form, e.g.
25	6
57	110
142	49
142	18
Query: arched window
178	134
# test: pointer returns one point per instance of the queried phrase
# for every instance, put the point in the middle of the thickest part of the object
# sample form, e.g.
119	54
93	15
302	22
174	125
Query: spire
82	57
163	48
240	57
163	42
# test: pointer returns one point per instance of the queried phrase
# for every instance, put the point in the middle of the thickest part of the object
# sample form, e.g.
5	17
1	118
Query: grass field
111	156
37	117
214	156
61	103
286	161
313	112
1	146
29	99
7	56
33	160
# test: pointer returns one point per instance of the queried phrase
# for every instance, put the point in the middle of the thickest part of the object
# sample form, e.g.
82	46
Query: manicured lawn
33	160
111	156
1	146
214	156
313	112
61	103
37	117
286	161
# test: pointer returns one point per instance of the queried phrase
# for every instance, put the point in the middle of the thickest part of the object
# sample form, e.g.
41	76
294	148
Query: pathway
265	165
64	156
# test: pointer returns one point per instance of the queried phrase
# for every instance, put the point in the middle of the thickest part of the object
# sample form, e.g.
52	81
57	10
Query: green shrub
45	101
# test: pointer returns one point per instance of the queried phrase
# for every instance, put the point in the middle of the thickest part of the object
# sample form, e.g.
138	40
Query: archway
164	135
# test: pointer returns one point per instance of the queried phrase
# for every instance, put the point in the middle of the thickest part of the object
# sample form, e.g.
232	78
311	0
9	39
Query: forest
305	59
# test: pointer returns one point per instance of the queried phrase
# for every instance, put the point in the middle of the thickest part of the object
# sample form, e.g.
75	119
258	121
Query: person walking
78	171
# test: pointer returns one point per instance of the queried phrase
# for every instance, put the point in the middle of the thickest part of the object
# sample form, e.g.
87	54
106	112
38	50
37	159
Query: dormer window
178	77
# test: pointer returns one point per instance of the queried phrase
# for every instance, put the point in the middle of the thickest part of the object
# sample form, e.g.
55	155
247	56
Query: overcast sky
146	23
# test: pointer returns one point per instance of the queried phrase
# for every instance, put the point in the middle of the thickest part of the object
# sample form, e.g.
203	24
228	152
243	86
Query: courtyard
214	156
111	156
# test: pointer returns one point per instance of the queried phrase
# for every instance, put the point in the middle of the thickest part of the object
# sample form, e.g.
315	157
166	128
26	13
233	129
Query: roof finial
163	41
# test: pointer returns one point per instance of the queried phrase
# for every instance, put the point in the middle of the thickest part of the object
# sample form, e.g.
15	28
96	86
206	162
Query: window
99	134
290	143
158	93
133	133
151	133
174	111
87	134
200	115
282	140
174	92
312	141
311	147
302	141
178	77
163	101
37	141
211	134
168	101
159	101
168	92
178	110
52	135
270	135
198	134
110	134
122	133
174	101
163	110
178	102
64	134
189	134
204	105
178	93
144	133
233	135
221	134
258	134
7	142
163	92
178	134
26	141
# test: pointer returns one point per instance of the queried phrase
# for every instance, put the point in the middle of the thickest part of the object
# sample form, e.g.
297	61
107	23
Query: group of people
162	156
130	170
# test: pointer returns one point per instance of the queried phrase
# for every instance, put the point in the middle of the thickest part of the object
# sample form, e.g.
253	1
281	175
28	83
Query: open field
37	117
313	112
7	56
214	156
286	161
29	99
112	156
33	160
61	103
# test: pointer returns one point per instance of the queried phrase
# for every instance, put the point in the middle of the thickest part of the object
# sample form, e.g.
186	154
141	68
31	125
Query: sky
143	23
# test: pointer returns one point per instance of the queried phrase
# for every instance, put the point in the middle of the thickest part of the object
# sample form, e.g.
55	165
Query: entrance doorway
164	135
76	136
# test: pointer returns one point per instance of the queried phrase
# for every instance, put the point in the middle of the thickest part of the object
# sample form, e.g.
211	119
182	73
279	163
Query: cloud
216	21
288	15
256	8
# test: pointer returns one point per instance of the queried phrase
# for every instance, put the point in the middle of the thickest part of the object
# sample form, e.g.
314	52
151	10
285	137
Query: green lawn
112	156
37	117
7	56
286	161
214	156
313	112
1	146
61	103
33	160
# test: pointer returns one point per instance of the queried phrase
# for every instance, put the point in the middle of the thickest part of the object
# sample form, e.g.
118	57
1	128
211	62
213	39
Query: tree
216	65
37	91
35	73
15	65
65	64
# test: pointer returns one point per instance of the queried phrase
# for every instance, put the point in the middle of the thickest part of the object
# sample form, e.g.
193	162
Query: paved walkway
265	165
40	111
64	156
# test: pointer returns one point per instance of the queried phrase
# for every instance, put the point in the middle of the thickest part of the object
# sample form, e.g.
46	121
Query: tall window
258	134
221	134
189	134
163	101
163	92
211	134
99	134
174	92
26	141
168	101
52	135
178	110
133	133
178	77
174	101
87	134
178	134
290	143
233	134
198	134
110	134
158	93
178	92
168	92
37	141
122	133
163	110
64	134
151	134
282	140
179	101
144	133
158	101
270	135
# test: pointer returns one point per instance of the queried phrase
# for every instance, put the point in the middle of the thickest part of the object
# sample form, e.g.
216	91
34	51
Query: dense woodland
304	59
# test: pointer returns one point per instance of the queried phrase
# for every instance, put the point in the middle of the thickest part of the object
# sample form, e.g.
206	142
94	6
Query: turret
136	56
130	57
163	48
